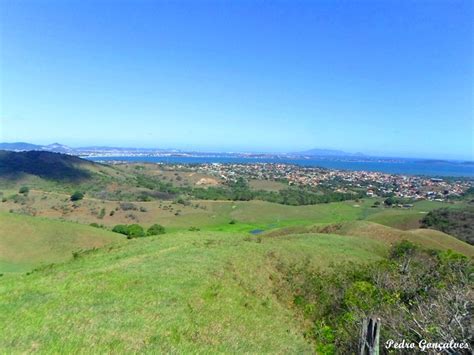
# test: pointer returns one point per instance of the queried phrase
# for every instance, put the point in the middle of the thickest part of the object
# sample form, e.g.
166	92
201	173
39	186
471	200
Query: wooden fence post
370	337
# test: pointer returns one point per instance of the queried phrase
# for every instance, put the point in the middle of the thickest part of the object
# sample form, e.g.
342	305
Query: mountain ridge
61	148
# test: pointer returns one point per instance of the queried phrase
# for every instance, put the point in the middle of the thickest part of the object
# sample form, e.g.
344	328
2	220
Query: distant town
374	184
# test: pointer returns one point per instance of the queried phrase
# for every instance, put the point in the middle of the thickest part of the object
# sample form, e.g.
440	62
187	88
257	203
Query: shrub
22	199
101	213
120	228
128	206
135	231
24	190
182	201
415	292
76	196
130	230
156	229
131	216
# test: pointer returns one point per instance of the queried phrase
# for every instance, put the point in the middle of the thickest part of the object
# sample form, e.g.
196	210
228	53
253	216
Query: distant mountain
97	150
22	146
326	153
46	165
59	148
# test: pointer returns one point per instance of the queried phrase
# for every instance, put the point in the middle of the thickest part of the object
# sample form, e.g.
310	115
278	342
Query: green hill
46	165
27	242
424	237
186	292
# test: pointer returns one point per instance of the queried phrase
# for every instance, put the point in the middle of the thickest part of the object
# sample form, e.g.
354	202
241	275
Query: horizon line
343	153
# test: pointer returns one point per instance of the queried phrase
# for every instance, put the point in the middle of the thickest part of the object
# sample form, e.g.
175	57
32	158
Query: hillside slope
27	242
366	230
424	237
190	292
47	165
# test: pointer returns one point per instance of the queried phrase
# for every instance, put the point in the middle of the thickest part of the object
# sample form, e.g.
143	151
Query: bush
24	190
156	229
457	222
128	206
101	213
120	228
135	231
76	196
130	230
415	292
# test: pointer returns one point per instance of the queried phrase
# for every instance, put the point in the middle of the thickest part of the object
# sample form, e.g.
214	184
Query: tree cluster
137	231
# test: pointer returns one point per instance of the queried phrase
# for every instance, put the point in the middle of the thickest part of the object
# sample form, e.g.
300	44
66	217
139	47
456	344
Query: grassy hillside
427	238
179	292
207	214
27	242
366	230
186	292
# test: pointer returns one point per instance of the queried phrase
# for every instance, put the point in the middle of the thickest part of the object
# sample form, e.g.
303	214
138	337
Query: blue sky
379	77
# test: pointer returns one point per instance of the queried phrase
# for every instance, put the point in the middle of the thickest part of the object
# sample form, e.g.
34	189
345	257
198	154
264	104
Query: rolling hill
427	238
28	242
366	230
193	292
46	165
185	291
190	292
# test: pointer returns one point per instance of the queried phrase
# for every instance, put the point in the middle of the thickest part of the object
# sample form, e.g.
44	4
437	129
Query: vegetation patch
130	230
457	222
418	295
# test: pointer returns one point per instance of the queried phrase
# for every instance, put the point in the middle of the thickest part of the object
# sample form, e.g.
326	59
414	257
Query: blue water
399	166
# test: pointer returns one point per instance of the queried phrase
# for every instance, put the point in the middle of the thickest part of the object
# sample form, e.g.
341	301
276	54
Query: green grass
47	240
27	242
406	219
426	238
191	292
187	292
250	215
